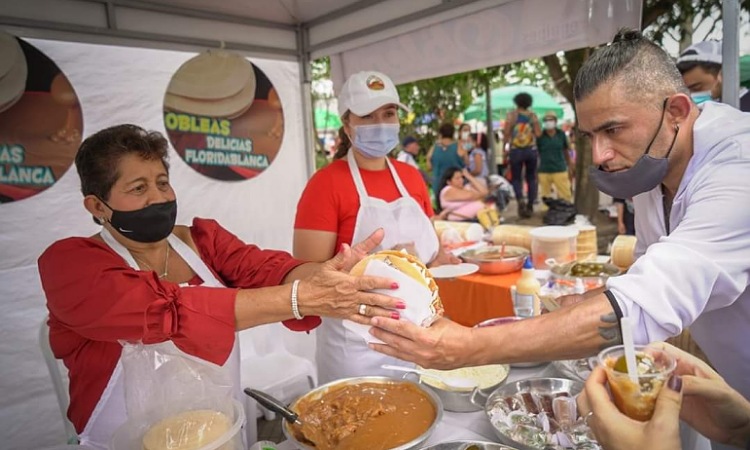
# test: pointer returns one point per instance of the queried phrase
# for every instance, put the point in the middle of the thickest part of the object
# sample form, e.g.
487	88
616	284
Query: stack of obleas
13	71
190	430
623	251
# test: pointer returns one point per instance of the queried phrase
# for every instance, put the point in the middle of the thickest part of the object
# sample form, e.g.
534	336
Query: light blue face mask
376	141
700	97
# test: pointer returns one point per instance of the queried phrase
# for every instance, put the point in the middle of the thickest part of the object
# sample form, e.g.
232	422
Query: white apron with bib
341	353
110	412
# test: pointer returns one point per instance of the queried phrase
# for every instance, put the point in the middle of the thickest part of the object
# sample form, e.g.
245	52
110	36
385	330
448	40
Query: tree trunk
587	195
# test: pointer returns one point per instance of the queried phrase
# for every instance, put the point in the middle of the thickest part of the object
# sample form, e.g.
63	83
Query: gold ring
362	309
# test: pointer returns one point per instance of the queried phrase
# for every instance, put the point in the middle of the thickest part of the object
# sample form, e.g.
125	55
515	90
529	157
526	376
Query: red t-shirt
96	299
330	201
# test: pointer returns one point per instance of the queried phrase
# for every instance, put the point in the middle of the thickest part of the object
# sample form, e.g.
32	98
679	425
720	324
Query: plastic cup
637	400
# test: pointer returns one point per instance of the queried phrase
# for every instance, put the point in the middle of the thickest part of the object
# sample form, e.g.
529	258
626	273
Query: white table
475	426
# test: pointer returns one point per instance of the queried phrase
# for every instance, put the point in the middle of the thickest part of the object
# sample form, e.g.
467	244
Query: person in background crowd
363	190
555	168
408	154
688	179
409	151
695	393
625	216
700	66
461	195
477	158
143	278
444	154
465	139
520	133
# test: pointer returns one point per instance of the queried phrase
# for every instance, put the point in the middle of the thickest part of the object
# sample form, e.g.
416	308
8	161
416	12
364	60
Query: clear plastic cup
637	400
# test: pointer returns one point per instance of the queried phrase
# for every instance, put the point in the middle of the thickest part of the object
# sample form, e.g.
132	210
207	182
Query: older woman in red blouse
144	279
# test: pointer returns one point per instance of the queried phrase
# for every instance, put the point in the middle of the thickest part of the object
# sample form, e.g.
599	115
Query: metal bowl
468	445
321	390
562	273
465	400
489	261
540	385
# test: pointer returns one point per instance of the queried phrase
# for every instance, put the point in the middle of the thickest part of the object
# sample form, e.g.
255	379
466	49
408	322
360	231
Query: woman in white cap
360	191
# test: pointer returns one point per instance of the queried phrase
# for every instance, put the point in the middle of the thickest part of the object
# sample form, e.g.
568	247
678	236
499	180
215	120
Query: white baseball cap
704	52
364	92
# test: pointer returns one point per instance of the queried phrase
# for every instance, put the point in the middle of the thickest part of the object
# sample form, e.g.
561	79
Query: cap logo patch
374	83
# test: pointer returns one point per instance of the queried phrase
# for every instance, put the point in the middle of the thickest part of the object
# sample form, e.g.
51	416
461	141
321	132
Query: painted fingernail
395	315
394	285
675	383
400	305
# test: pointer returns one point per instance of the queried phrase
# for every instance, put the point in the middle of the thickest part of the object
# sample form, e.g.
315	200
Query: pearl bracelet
295	306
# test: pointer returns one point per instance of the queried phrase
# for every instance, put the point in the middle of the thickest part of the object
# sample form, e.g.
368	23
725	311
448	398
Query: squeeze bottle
527	291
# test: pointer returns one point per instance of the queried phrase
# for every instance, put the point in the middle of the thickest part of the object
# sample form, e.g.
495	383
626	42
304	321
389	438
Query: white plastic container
130	435
553	245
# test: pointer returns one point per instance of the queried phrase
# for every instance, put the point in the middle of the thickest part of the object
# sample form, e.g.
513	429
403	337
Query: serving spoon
453	382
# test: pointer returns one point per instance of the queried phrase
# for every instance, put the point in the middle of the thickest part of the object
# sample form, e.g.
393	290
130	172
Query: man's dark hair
687	66
641	67
447	130
523	100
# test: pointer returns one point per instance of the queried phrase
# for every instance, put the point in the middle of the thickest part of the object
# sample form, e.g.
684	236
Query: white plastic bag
177	399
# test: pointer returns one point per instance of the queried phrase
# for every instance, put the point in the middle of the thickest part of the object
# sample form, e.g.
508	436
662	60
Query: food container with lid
553	245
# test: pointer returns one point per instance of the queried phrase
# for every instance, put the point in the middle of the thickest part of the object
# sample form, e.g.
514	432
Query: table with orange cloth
473	298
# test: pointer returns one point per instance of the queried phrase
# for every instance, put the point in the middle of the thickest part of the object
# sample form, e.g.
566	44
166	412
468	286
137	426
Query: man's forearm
571	332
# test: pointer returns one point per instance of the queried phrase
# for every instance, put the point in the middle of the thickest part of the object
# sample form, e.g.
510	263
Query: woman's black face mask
150	224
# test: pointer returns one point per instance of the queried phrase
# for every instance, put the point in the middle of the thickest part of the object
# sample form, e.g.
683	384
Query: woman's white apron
110	411
341	353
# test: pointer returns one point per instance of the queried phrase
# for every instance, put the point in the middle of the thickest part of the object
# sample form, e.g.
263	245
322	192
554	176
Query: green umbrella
745	71
502	103
325	119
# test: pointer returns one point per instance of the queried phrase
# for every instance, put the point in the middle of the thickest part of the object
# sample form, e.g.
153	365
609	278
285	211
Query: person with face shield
687	168
555	168
361	191
143	278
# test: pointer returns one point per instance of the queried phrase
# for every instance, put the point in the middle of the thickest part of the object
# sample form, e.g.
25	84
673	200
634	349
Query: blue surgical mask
645	174
700	97
376	141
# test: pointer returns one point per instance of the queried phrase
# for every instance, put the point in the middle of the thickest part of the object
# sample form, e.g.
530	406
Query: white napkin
416	296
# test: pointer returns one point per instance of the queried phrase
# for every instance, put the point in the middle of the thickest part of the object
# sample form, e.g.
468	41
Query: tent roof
308	29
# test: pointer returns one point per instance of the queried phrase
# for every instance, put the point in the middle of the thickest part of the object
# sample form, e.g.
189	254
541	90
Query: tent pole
303	44
730	51
490	133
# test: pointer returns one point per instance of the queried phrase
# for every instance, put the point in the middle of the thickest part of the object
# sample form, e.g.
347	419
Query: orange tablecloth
473	298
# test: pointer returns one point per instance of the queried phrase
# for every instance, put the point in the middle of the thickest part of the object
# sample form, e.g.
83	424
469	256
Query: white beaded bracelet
295	306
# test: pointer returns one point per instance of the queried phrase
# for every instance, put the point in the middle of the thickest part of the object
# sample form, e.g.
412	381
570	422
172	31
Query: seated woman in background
144	279
458	200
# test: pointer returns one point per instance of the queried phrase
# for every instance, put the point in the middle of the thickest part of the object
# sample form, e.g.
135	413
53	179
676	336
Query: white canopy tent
408	40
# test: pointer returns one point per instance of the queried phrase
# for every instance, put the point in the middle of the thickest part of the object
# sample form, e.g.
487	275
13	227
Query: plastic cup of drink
637	400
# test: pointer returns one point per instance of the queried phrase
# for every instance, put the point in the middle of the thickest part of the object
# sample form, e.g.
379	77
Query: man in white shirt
409	151
408	155
687	168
